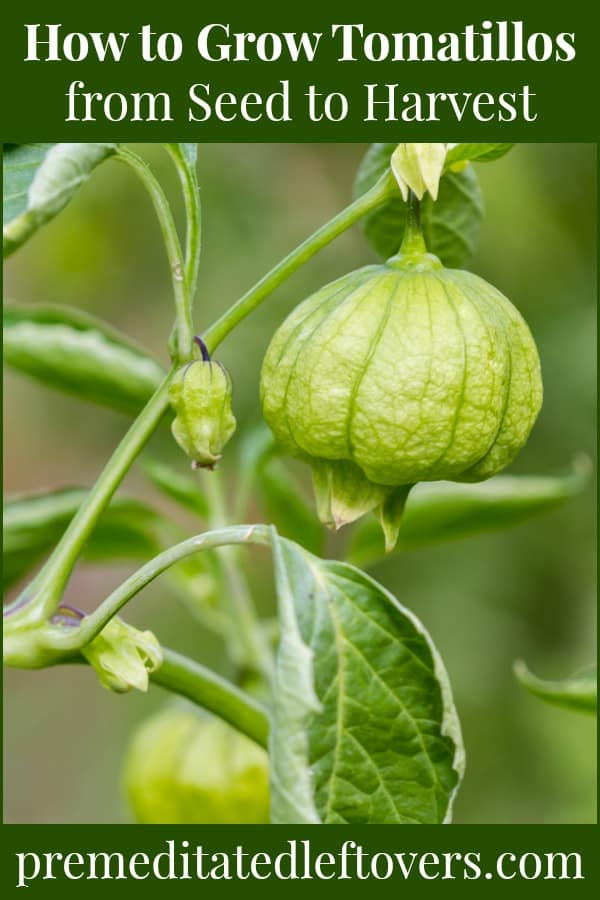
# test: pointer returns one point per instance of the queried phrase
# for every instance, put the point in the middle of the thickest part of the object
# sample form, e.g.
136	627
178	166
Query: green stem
413	242
74	638
182	676
413	215
209	617
193	235
184	330
47	588
378	194
43	595
247	642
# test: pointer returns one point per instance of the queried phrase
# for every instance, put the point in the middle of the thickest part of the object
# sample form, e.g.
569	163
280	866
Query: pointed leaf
364	730
294	703
444	511
293	517
476	153
451	224
578	693
39	180
77	353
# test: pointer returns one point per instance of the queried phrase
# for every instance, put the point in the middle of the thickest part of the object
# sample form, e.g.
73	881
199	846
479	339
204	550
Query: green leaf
294	705
262	472
256	446
181	488
451	224
578	693
287	509
71	350
476	153
39	180
34	523
443	511
363	728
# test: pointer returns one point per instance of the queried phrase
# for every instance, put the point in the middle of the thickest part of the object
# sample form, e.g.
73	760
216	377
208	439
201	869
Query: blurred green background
526	593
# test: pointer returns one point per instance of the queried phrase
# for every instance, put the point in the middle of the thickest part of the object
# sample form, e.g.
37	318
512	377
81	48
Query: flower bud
400	373
184	767
200	394
418	168
123	656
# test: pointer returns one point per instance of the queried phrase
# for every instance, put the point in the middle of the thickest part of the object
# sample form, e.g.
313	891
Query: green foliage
39	180
451	224
33	524
364	729
264	476
443	511
68	349
476	153
578	693
288	509
181	488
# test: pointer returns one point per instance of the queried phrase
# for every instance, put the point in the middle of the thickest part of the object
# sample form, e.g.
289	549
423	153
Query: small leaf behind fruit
39	180
364	729
443	511
578	693
70	350
476	153
293	517
451	224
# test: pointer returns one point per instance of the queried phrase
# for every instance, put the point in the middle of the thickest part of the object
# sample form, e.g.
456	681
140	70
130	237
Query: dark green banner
222	860
330	72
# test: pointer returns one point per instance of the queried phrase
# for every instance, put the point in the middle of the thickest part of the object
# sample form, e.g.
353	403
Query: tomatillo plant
386	382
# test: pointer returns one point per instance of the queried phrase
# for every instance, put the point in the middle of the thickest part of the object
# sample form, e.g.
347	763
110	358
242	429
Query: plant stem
46	590
92	625
182	350
193	681
378	194
248	644
413	214
193	235
42	596
413	242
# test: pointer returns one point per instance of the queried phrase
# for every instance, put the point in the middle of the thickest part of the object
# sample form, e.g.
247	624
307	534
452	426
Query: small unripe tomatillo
200	394
185	767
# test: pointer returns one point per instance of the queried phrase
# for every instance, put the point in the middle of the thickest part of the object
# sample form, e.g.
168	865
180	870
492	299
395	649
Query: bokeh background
525	593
